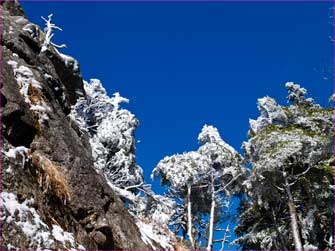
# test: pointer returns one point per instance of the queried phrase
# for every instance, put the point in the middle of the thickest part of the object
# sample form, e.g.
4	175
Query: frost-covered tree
291	180
270	112
181	171
48	30
110	130
212	173
225	174
297	95
111	134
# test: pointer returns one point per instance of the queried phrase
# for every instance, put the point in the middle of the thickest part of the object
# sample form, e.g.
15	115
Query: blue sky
186	64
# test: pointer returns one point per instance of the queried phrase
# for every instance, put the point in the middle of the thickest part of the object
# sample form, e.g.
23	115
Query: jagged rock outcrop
52	196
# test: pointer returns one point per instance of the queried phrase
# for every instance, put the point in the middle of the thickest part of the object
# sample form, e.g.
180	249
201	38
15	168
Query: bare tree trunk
211	217
293	216
189	216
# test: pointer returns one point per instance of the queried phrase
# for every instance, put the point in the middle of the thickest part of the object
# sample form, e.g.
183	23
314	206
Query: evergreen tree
290	188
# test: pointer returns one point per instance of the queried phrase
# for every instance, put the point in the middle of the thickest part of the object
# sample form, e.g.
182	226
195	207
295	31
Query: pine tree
291	180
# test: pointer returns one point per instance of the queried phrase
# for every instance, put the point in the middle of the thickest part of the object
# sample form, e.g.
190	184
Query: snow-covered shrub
111	133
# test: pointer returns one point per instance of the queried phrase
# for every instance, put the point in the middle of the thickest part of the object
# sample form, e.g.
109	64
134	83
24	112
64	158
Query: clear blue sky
186	64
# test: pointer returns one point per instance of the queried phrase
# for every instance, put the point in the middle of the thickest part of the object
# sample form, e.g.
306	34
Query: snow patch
69	61
29	221
20	20
25	80
9	170
47	76
152	235
60	235
18	151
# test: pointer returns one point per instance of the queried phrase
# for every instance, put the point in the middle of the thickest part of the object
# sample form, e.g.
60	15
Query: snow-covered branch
49	27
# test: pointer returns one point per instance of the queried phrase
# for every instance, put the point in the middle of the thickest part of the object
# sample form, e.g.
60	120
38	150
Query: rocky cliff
52	197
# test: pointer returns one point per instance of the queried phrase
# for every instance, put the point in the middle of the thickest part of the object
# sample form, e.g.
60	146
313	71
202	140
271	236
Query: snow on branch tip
49	27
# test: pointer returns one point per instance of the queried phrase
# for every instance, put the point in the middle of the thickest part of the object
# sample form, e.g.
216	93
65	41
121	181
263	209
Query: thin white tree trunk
189	216
293	216
211	217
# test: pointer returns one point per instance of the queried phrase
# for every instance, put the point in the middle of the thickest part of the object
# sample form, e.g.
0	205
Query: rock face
52	197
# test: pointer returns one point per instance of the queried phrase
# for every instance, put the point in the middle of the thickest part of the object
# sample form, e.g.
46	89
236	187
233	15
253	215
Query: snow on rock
28	28
40	108
32	30
12	63
69	61
154	235
11	30
12	153
24	77
20	20
9	170
21	151
26	218
62	236
11	247
31	90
